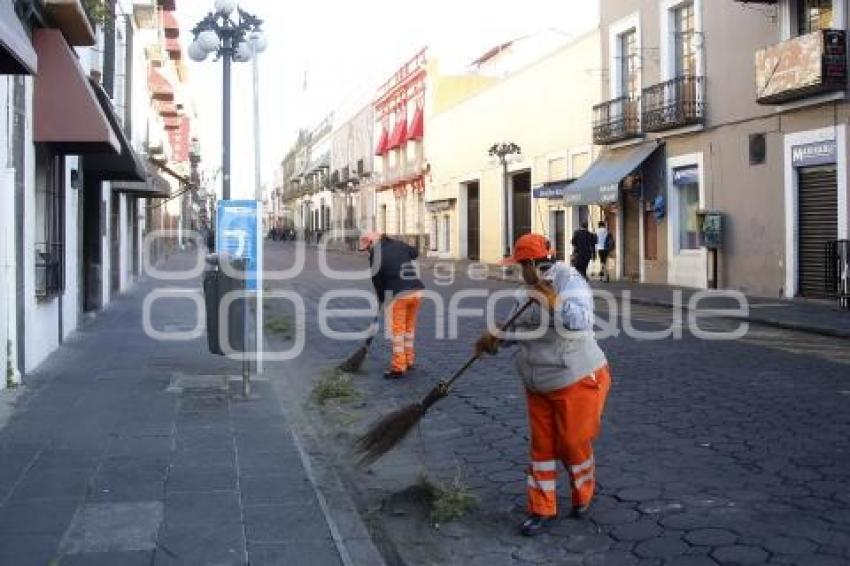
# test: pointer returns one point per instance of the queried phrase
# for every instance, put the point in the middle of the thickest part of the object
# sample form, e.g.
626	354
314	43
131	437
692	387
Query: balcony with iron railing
616	120
676	103
401	172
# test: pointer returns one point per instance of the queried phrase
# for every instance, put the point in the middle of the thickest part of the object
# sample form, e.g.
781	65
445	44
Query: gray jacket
567	351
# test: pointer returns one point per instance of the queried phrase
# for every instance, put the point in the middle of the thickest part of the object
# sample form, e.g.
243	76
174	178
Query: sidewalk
124	450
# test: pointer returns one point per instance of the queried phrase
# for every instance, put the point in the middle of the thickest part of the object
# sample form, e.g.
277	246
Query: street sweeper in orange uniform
566	378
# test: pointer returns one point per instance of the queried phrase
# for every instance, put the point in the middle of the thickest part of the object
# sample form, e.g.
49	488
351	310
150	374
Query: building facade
79	191
543	106
750	126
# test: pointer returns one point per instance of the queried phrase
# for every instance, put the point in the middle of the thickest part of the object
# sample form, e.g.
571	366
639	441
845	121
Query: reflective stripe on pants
563	426
403	313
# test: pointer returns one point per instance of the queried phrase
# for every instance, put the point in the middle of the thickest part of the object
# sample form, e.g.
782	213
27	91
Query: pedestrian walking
584	248
395	277
603	243
566	377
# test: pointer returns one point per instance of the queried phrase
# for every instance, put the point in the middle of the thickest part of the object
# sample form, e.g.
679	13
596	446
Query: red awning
160	88
383	141
417	126
167	109
180	141
169	25
399	135
66	112
173	48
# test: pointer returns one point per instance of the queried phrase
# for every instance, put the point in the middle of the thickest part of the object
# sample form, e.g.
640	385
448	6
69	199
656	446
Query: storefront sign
818	153
686	175
556	191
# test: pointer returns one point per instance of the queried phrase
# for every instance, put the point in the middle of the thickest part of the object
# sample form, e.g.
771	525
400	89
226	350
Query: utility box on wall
712	228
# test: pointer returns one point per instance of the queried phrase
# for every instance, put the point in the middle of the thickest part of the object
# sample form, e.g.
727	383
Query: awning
600	185
125	166
154	186
160	88
17	57
167	109
172	123
417	126
170	27
66	113
554	190
383	141
173	48
399	134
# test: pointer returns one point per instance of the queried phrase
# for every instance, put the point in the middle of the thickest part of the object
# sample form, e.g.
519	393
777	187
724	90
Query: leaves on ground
280	325
334	385
449	501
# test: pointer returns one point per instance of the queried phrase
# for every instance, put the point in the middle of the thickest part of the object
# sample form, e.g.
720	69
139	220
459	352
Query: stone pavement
712	452
122	450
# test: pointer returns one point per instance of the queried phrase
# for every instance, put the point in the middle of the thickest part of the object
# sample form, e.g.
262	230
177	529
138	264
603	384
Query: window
49	224
579	162
685	44
435	232
688	225
813	15
629	64
447	233
383	219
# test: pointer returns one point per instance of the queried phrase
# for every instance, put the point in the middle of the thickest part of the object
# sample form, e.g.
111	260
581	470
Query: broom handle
442	389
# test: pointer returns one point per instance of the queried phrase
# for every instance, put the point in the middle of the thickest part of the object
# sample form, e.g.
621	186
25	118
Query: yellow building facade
545	108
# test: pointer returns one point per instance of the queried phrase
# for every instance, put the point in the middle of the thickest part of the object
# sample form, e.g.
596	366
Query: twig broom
387	432
355	360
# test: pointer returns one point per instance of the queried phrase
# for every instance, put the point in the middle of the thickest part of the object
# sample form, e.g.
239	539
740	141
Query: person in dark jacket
584	248
395	277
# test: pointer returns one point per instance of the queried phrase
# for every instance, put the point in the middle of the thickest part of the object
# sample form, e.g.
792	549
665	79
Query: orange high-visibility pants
564	424
403	314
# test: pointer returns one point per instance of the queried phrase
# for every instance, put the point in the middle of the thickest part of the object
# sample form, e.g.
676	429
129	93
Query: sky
341	51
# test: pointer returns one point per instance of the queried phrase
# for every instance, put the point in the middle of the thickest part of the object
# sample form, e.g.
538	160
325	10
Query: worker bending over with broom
396	280
566	377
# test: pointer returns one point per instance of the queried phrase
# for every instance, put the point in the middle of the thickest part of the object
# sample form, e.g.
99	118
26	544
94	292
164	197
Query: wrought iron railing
674	104
49	270
616	120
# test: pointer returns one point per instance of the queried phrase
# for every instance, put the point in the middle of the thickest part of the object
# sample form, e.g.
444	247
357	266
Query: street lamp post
503	152
231	39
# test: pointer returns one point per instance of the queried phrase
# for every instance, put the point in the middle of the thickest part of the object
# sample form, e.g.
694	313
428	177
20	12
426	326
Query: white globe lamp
225	7
243	52
197	53
208	40
258	41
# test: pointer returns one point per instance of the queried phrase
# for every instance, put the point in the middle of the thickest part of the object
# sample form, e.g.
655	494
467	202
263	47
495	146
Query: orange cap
530	247
368	239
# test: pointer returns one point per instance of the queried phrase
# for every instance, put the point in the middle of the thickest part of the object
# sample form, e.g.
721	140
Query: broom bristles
355	361
386	433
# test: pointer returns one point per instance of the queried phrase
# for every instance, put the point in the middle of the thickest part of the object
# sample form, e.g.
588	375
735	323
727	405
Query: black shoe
580	512
536	525
394	375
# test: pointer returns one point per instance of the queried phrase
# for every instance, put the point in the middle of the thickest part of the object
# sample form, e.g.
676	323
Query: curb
769	322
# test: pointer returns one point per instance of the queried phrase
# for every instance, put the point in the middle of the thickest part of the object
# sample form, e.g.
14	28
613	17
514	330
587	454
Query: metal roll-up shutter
818	225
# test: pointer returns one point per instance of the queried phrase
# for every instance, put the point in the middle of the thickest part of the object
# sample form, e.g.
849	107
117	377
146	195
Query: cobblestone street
711	452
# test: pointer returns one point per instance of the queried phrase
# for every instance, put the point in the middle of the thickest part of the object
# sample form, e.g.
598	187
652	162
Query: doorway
559	233
818	225
521	204
473	220
115	244
92	242
631	236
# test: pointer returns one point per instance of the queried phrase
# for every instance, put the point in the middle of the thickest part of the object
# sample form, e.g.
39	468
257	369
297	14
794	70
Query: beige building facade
544	107
749	121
